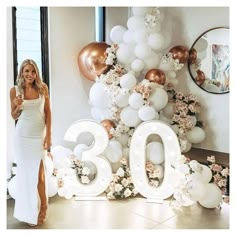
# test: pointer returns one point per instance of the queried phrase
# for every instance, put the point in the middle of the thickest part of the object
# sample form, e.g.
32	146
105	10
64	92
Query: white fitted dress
29	151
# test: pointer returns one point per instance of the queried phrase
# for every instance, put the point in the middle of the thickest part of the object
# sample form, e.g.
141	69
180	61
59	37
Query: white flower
118	187
127	192
125	182
110	195
86	171
120	172
195	166
183	168
85	179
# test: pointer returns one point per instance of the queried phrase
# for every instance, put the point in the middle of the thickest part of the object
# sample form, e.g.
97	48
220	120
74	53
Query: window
30	38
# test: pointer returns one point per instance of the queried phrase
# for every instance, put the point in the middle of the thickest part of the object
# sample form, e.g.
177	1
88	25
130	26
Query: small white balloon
128	37
122	100
159	98
140	11
128	81
137	65
205	174
188	147
123	139
117	33
156	41
155	152
135	23
79	149
196	135
126	115
142	50
168	110
146	113
213	196
136	100
198	190
125	54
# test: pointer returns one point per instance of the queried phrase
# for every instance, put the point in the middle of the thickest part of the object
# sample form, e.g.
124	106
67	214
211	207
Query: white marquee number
104	172
138	158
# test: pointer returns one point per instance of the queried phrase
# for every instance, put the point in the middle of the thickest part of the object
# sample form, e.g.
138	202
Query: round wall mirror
209	61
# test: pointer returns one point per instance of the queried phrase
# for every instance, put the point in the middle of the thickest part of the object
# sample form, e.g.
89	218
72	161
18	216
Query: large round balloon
156	76
91	60
180	53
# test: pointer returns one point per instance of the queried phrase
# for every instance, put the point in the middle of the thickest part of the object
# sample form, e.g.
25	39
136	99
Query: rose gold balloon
108	124
200	78
192	56
91	60
180	53
156	76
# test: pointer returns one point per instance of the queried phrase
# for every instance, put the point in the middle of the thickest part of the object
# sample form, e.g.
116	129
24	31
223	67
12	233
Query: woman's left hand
47	143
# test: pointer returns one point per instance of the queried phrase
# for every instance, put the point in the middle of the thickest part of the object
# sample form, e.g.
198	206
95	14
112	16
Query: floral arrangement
186	110
220	174
82	172
121	185
190	171
155	173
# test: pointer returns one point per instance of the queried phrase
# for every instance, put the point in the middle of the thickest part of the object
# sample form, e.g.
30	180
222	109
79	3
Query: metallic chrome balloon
156	76
180	53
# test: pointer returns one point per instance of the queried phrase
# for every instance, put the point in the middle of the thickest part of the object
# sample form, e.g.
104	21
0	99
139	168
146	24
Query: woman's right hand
19	101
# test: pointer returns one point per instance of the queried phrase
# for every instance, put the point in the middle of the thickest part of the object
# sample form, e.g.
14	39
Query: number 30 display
137	157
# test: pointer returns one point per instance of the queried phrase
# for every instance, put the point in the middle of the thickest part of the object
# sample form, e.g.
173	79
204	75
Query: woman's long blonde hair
38	83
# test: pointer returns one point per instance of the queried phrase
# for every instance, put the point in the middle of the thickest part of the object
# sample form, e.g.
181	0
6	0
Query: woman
30	106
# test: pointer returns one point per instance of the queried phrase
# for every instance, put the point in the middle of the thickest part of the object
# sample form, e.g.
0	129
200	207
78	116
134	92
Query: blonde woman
30	105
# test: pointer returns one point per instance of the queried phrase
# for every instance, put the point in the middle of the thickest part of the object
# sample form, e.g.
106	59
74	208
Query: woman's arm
48	120
16	104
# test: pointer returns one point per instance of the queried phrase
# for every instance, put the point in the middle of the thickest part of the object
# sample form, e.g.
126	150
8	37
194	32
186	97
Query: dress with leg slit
29	152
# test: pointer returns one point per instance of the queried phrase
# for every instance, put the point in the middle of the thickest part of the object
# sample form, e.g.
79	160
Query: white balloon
117	33
152	61
137	65
140	35
100	114
156	41
125	153
79	149
165	66
126	115
142	50
188	147
136	100
52	186
128	37
169	110
125	54
12	187
146	113
122	100
198	190
155	152
98	96
213	196
128	81
196	135
159	98
206	174
113	151
140	11
135	23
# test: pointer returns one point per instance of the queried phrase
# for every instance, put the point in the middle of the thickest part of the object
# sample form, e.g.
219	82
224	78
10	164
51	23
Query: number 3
104	172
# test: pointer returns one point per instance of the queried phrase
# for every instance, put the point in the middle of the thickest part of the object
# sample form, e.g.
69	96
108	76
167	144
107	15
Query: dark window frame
44	44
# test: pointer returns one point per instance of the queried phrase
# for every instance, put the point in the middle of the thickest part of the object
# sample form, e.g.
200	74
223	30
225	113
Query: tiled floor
135	213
